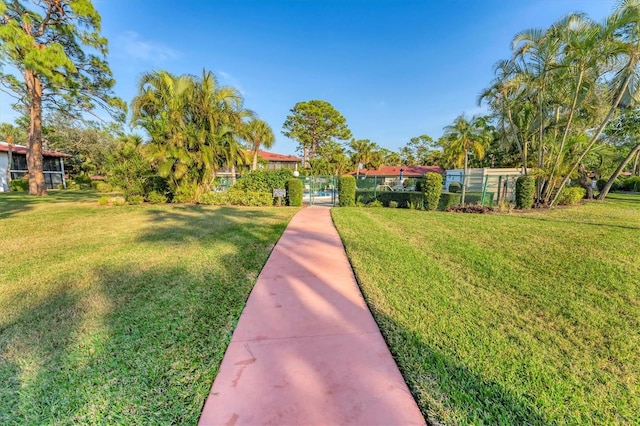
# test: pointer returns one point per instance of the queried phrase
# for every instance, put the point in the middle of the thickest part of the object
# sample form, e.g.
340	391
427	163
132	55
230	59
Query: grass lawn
120	315
526	318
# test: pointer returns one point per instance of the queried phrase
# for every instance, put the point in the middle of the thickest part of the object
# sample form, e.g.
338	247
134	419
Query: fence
320	190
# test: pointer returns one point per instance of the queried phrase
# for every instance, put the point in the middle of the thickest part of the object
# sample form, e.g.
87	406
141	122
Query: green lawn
508	319
120	315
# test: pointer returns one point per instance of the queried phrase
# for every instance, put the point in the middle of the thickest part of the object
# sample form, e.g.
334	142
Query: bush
294	192
448	200
83	182
600	183
393	204
134	199
525	191
374	203
154	197
236	197
476	198
469	208
185	193
103	201
347	191
264	180
402	198
432	188
571	195
117	201
632	183
19	185
455	187
102	187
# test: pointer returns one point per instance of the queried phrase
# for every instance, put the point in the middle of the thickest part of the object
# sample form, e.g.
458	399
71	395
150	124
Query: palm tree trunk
634	152
254	164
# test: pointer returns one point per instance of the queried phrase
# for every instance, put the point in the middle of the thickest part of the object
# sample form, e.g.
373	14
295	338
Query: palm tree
364	152
257	133
462	137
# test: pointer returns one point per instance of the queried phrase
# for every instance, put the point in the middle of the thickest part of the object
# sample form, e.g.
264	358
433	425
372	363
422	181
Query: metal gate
320	190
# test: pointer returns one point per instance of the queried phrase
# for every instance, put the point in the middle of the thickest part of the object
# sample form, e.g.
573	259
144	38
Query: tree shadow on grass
141	343
447	391
12	203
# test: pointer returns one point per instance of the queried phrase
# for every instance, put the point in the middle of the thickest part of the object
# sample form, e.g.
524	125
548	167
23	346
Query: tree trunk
304	156
233	173
635	151
585	182
636	169
254	165
9	160
34	140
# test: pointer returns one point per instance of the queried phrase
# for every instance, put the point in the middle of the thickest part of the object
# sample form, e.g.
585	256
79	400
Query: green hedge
294	192
236	197
264	180
402	198
432	188
347	191
570	195
525	191
632	183
19	185
449	199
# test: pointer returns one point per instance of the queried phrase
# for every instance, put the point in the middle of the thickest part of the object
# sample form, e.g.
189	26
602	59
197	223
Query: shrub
20	185
264	180
525	191
185	193
214	198
393	204
469	208
455	187
102	187
117	201
83	182
571	195
294	192
374	203
103	201
632	183
237	197
347	191
134	199
448	200
600	183
386	197
432	188
476	198
154	197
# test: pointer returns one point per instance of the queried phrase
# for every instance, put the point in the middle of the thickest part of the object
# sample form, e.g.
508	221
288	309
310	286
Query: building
16	168
277	161
393	177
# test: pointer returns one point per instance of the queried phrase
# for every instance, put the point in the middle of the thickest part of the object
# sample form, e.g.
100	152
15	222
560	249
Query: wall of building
4	164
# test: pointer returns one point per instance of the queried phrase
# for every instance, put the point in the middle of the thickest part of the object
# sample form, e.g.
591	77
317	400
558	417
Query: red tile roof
21	149
272	156
407	171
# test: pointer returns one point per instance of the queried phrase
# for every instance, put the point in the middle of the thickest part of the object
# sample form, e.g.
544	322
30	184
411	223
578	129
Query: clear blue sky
394	69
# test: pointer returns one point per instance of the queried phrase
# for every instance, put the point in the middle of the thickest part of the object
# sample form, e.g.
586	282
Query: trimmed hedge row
347	191
406	198
294	192
237	197
525	192
432	188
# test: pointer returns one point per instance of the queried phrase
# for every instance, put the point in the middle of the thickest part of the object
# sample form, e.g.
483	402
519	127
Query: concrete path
306	349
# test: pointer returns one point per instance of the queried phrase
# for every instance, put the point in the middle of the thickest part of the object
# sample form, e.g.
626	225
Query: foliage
294	192
600	183
432	188
258	134
56	47
194	124
401	198
393	204
347	191
570	195
313	124
365	154
103	187
525	192
514	297
455	187
374	203
469	208
103	201
420	150
21	185
135	199
330	159
264	180
83	182
237	197
185	192
448	200
155	197
127	168
632	183
131	320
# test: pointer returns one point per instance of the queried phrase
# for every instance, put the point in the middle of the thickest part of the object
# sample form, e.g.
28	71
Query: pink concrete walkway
307	350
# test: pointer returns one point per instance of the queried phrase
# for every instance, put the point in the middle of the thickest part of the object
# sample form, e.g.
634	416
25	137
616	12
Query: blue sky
394	69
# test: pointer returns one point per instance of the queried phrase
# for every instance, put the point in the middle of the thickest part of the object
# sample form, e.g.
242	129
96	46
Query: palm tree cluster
196	127
554	97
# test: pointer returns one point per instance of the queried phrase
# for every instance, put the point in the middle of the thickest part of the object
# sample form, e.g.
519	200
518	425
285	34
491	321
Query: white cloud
145	51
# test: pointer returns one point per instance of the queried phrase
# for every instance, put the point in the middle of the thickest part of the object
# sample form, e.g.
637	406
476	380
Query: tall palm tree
461	138
258	134
365	152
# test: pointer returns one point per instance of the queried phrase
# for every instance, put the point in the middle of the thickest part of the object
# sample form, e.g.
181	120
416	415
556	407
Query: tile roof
272	156
21	149
407	171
